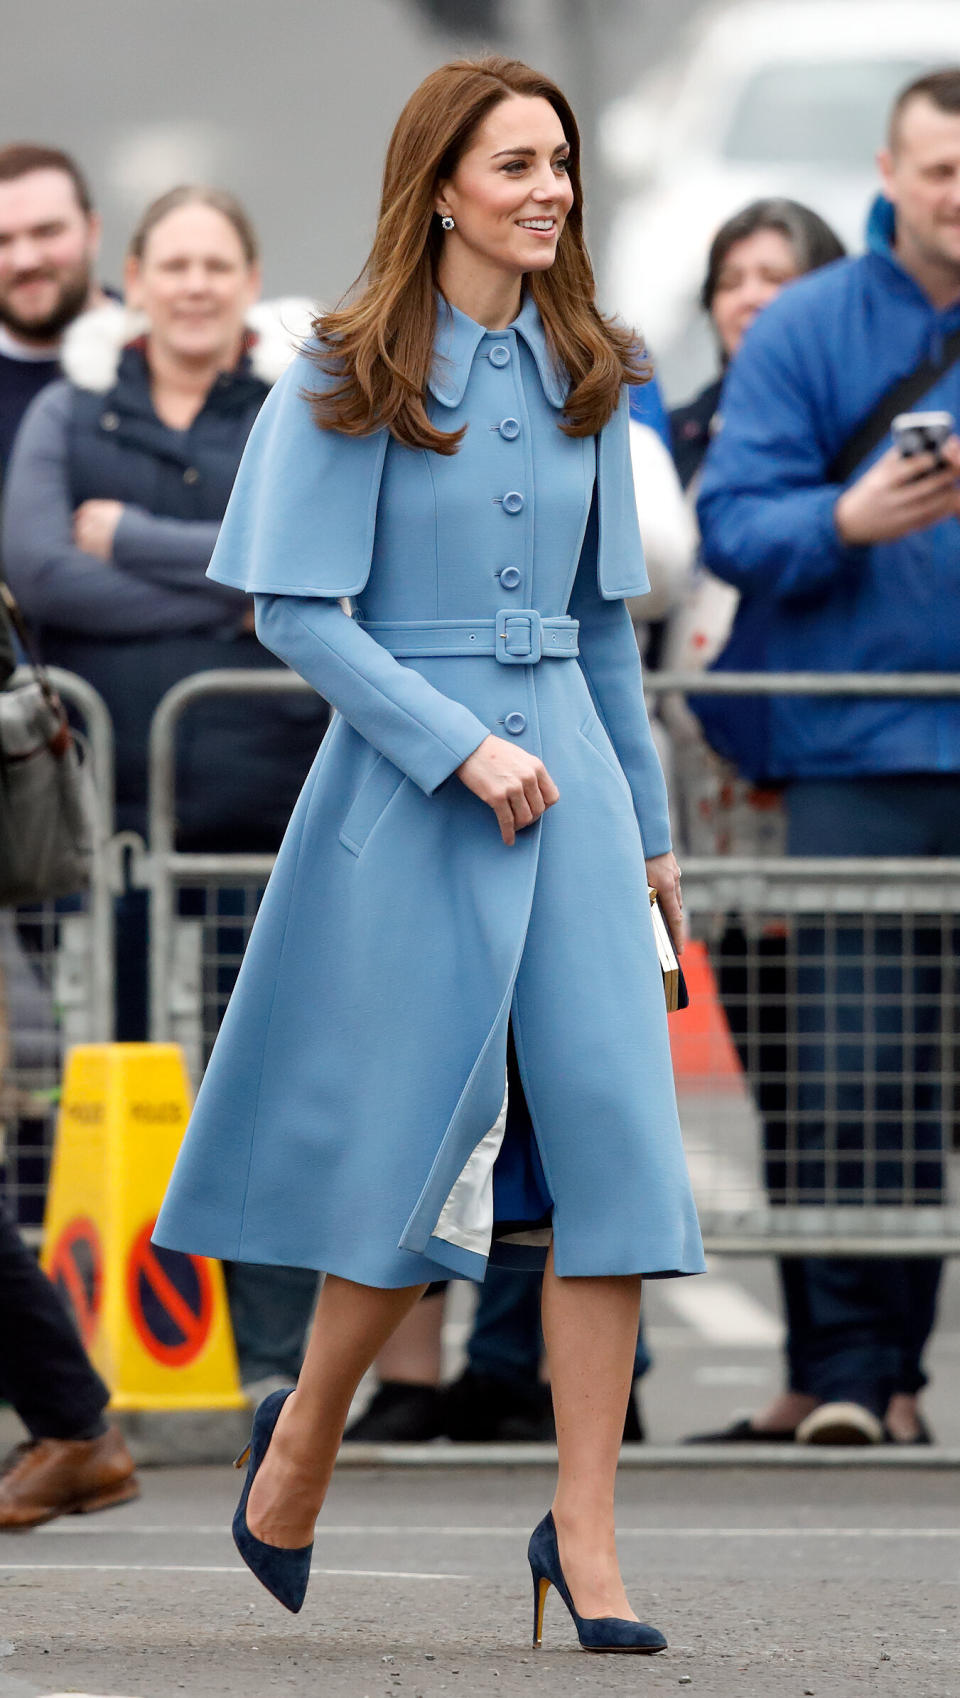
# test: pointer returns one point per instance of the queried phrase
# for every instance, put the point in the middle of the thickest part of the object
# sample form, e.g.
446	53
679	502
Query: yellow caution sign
154	1321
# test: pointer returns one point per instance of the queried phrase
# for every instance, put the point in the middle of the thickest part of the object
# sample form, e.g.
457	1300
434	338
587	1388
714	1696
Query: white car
770	99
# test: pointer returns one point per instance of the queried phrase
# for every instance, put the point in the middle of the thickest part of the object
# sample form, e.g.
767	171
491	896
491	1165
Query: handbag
48	814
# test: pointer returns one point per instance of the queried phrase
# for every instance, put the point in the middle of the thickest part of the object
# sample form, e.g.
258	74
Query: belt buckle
518	636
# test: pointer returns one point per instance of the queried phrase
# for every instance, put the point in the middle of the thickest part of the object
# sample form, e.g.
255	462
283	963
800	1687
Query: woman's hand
664	874
95	526
517	786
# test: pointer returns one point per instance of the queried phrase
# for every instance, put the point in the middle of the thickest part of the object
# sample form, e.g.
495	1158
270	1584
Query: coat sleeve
171	552
610	663
765	507
56	583
423	732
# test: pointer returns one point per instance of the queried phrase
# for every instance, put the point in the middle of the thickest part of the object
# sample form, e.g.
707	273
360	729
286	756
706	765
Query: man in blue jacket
856	571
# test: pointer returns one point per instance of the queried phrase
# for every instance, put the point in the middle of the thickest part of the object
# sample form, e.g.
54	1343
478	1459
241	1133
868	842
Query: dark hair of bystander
18	159
811	238
941	88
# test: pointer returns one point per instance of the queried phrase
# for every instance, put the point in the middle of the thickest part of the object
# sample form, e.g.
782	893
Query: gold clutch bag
674	987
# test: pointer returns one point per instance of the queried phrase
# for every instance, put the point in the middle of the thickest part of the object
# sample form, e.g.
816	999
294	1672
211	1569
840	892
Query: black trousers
45	1372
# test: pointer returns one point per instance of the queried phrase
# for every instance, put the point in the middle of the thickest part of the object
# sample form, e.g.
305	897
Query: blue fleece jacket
812	367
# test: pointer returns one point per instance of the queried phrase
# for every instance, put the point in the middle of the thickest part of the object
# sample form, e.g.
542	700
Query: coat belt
518	636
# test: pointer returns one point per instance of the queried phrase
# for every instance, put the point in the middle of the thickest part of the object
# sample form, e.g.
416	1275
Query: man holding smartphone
901	493
846	553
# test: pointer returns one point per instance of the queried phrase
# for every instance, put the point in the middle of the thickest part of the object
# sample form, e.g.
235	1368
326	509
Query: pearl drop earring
446	221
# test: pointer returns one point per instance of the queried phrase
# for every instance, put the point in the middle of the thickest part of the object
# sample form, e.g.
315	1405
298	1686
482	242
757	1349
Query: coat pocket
593	733
376	791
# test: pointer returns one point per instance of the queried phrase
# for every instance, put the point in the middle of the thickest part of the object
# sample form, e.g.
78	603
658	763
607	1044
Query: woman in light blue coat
436	516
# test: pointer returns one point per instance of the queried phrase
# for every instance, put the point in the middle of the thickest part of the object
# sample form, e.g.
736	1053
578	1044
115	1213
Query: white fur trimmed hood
91	349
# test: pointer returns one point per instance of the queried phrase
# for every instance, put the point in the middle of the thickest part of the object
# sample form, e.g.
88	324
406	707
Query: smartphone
921	433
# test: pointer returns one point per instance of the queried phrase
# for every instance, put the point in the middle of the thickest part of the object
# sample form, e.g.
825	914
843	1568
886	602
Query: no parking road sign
171	1300
155	1322
75	1265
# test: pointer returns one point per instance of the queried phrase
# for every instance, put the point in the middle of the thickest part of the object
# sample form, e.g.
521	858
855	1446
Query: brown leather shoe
48	1477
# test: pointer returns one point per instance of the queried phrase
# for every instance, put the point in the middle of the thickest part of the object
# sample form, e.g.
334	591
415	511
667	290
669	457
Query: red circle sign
75	1266
170	1297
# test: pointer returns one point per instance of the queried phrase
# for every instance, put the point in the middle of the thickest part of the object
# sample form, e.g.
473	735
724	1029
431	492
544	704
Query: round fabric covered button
110	421
510	428
509	577
191	475
513	502
515	723
499	355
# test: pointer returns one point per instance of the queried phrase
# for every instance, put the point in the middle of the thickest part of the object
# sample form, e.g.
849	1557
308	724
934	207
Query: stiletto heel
283	1572
595	1633
541	1587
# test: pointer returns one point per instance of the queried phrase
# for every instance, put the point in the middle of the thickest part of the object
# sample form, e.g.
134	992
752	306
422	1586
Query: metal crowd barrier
820	1063
194	957
56	978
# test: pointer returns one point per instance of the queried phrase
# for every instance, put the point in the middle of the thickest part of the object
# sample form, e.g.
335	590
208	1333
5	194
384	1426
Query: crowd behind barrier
787	940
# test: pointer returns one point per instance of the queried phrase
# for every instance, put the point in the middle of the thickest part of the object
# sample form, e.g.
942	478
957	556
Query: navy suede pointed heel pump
596	1633
283	1572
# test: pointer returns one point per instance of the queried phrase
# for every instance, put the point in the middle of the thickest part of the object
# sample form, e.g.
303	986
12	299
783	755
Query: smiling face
48	245
194	283
754	271
511	192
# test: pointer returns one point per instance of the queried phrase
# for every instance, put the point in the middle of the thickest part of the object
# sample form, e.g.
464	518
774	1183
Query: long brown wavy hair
379	346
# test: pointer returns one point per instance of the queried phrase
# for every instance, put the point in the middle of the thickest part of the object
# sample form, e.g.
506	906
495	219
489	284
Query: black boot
479	1409
399	1413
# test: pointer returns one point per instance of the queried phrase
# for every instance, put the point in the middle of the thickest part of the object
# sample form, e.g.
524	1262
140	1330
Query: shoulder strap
8	653
28	645
898	399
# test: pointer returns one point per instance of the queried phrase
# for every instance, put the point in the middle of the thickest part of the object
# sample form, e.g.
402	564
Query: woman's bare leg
351	1325
590	1327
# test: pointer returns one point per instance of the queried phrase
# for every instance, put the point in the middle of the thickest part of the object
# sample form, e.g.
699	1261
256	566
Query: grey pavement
767	1584
826	1574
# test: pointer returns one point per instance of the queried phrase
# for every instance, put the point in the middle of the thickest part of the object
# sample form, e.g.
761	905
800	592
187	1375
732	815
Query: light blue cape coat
353	1114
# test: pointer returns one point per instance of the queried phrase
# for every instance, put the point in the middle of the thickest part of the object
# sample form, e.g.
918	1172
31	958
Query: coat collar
292	471
458	338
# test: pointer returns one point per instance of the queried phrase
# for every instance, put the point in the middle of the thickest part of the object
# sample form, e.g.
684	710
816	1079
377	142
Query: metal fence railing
202	906
825	1033
820	1108
821	1104
56	978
